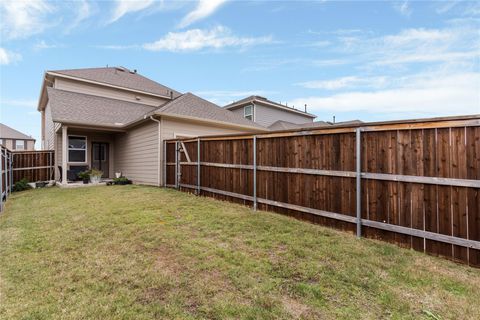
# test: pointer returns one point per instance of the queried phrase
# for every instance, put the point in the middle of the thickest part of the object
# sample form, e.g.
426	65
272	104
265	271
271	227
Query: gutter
159	146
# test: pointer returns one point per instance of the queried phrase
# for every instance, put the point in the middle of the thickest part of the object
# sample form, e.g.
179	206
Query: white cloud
83	11
8	57
197	39
344	82
42	45
403	8
430	93
21	19
204	9
29	103
122	7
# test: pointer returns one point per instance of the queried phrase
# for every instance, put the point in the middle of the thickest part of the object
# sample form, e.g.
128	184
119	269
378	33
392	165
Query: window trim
23	148
251	114
77	149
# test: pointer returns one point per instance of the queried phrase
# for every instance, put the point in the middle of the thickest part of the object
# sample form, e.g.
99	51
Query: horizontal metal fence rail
416	183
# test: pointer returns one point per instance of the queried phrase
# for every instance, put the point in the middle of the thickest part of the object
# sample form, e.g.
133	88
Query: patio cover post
64	153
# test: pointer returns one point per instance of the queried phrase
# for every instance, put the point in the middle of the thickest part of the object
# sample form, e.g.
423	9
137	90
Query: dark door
100	157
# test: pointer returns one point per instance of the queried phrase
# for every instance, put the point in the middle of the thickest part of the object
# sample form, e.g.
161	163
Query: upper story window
20	144
248	112
77	149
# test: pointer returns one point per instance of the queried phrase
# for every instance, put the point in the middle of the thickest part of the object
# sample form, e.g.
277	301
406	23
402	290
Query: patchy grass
133	252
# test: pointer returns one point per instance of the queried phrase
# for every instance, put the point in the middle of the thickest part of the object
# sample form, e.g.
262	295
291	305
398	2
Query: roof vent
118	124
120	69
137	98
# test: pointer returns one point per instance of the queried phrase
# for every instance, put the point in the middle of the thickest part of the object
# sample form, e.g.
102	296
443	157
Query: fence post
254	173
176	164
198	167
1	178
164	163
358	181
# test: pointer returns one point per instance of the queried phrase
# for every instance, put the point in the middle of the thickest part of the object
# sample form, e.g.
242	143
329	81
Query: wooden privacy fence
33	165
6	176
414	183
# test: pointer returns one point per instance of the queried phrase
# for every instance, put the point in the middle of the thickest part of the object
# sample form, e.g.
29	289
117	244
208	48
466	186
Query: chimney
305	108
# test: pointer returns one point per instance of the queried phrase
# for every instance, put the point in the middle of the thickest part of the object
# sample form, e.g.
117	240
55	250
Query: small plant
121	181
85	176
95	175
21	185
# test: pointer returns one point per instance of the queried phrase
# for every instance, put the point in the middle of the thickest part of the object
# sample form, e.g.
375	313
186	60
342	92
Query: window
248	112
77	149
20	144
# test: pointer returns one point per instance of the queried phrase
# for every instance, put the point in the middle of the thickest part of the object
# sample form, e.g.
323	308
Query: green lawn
133	252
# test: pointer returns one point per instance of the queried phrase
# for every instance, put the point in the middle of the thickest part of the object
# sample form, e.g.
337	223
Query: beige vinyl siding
30	145
49	128
173	128
136	154
107	92
265	115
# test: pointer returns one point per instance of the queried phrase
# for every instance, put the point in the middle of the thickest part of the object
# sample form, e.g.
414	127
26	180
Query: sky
372	61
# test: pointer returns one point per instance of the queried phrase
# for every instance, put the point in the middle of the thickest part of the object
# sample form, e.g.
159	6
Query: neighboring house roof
191	106
264	101
81	108
285	125
9	133
121	77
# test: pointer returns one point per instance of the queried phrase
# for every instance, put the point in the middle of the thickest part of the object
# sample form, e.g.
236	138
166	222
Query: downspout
159	148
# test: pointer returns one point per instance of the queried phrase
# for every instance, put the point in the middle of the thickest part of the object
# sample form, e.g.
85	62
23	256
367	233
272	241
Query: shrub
121	180
21	185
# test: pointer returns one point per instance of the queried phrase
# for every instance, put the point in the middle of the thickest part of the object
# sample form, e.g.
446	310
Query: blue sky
355	60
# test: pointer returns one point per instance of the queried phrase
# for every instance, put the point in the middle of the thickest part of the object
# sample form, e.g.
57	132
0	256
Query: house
115	120
266	112
281	125
15	140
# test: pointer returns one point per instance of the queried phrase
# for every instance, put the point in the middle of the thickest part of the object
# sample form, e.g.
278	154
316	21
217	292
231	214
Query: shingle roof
265	101
9	133
122	77
83	108
190	105
285	125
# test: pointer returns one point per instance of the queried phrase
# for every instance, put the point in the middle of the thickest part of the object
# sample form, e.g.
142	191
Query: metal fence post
358	181
176	164
198	167
164	163
11	172
255	173
1	178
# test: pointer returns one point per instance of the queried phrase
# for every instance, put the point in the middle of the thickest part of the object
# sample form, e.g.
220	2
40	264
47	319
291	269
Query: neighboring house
281	125
115	120
265	112
15	140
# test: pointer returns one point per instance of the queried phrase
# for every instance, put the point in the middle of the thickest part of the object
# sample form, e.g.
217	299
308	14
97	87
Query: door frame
106	174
